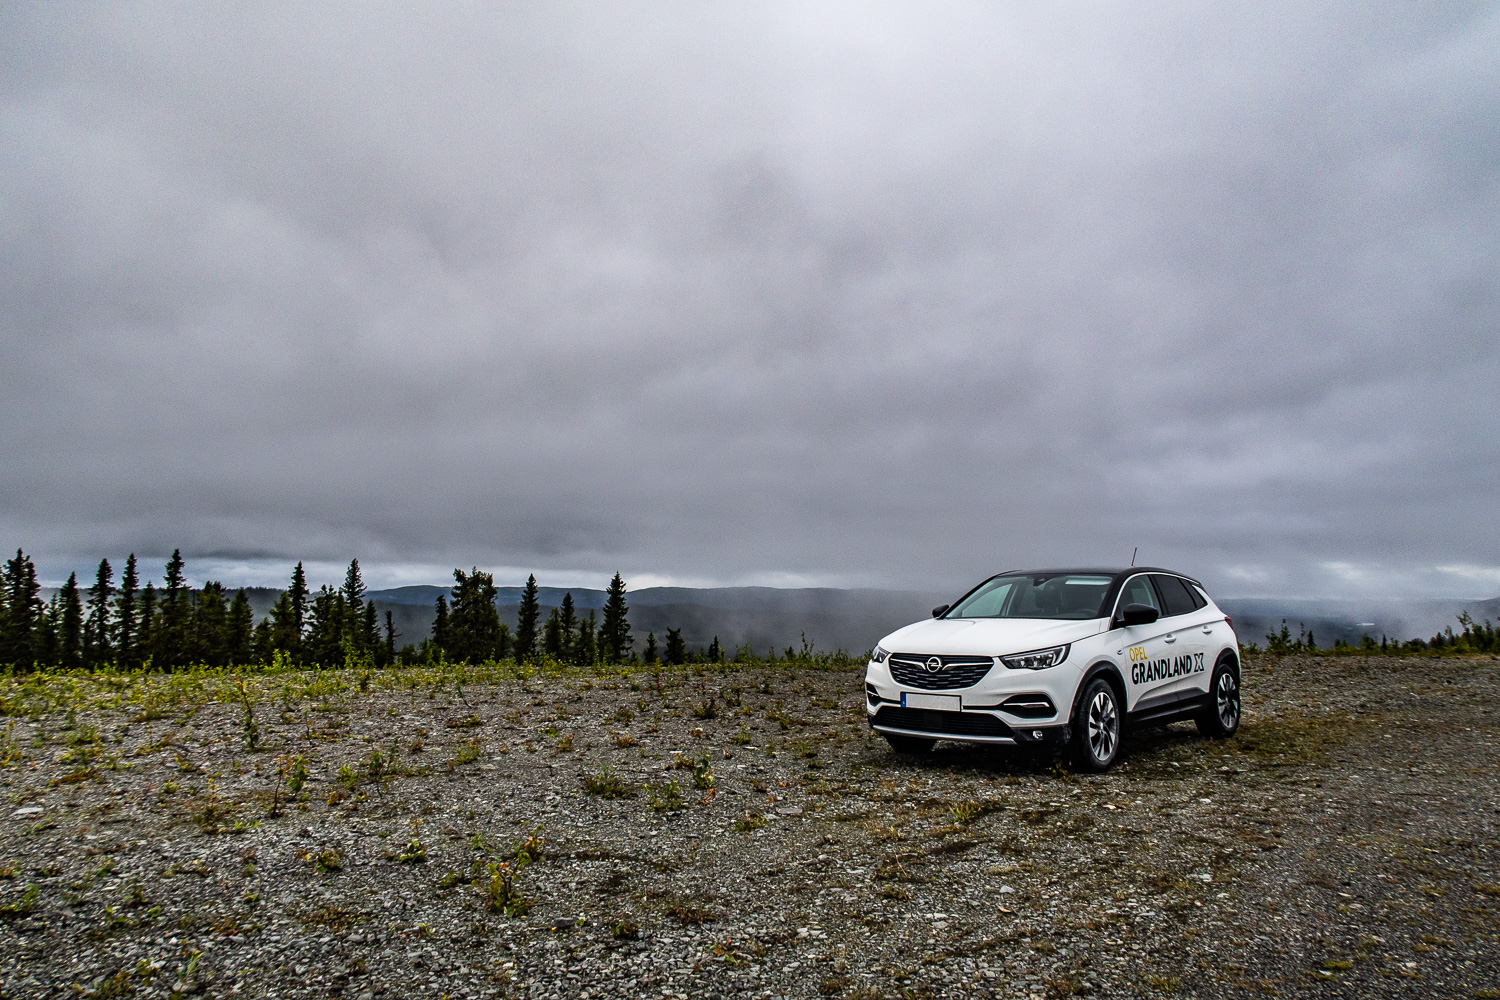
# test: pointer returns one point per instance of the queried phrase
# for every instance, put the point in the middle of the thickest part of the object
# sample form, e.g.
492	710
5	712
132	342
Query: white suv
1060	657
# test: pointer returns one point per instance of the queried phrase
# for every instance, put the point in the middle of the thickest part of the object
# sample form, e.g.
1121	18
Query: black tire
1097	727
910	745
1222	717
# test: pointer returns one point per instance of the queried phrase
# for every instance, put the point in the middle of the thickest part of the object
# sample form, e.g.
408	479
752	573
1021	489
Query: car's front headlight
1037	659
879	655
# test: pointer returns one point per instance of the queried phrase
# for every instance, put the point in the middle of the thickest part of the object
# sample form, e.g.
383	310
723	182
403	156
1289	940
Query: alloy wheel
1228	697
1104	726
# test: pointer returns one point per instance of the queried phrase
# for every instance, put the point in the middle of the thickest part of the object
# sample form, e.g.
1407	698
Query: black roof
1118	572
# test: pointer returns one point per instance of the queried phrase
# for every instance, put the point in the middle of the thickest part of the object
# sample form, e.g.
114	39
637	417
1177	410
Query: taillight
1229	621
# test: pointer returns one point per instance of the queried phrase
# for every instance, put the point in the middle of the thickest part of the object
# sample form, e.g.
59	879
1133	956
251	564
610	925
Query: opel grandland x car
1067	658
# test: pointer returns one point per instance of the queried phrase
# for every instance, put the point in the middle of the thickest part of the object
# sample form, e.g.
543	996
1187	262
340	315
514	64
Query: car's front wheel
911	745
1096	729
1222	716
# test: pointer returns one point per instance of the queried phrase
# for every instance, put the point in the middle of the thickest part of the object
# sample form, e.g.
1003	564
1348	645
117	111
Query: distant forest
131	626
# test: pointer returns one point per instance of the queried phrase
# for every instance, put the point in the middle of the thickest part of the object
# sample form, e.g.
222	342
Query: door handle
1208	630
1170	638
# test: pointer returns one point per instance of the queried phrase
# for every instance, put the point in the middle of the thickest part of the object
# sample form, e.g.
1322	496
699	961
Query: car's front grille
928	720
912	670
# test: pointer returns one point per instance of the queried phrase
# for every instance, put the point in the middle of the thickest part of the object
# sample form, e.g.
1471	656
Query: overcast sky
789	294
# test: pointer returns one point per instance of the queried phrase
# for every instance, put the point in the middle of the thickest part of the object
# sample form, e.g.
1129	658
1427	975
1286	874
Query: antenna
1132	554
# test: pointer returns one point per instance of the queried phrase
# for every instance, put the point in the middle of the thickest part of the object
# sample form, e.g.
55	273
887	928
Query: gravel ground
766	844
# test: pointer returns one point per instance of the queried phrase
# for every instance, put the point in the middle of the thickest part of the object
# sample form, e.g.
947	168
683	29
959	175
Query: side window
1138	590
1200	600
1174	593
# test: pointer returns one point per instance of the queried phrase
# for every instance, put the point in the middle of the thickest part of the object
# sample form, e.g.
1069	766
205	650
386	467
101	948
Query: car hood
988	636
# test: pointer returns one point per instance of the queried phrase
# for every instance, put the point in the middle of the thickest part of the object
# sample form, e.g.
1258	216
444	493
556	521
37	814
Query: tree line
131	626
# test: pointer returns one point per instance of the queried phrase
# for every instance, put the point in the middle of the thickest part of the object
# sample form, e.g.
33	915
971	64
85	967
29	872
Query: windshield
1063	595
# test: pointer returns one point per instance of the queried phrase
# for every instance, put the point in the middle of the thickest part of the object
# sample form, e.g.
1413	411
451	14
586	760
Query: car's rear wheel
1096	727
1222	716
912	745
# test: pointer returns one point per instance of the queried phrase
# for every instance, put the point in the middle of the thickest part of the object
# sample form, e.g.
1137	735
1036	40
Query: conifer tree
390	639
473	622
96	630
354	585
46	633
298	594
568	629
354	604
676	651
327	627
614	632
171	637
70	625
440	626
23	613
650	655
239	630
281	628
588	649
526	621
146	623
261	643
715	651
370	629
126	627
503	643
552	635
209	629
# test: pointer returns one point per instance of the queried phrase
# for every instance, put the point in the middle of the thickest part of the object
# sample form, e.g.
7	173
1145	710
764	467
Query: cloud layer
879	295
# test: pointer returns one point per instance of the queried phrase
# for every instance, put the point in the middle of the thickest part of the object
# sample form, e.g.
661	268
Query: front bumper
1007	707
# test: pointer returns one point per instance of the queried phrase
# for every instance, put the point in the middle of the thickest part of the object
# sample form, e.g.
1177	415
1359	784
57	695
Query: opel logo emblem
934	665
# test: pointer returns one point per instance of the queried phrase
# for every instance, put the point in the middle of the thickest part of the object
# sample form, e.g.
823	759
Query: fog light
1036	734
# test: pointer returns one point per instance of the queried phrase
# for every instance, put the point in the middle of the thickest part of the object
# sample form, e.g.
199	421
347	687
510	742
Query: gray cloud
892	296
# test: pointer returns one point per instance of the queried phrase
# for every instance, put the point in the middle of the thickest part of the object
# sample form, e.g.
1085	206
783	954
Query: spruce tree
70	625
526	621
327	628
473	621
209	631
172	634
46	632
298	593
354	585
146	623
676	651
239	631
650	655
588	650
614	633
439	638
96	630
390	639
715	651
370	631
126	627
23	613
552	635
568	625
281	628
354	604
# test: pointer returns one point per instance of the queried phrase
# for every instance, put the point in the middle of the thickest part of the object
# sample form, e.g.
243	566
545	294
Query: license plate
941	702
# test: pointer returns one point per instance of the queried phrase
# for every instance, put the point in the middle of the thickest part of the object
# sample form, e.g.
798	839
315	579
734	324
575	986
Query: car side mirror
940	609
1138	614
